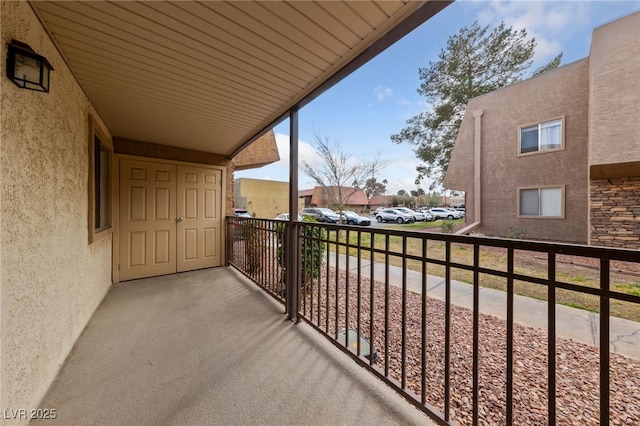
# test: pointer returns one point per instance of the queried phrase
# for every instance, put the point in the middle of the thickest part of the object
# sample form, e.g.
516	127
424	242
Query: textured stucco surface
614	123
260	153
52	279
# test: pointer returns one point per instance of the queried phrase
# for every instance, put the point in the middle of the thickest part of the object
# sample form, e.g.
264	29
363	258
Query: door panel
147	219
199	202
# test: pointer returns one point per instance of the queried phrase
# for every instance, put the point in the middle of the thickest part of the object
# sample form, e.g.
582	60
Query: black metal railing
255	247
390	299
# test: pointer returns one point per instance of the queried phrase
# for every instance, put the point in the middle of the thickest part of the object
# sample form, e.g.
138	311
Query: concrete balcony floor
209	347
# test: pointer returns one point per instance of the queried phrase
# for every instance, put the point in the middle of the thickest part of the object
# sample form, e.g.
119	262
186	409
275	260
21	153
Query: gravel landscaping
577	365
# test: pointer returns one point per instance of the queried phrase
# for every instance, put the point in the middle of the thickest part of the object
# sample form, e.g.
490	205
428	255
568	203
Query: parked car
442	213
393	215
417	216
241	213
457	213
427	214
320	214
353	218
285	216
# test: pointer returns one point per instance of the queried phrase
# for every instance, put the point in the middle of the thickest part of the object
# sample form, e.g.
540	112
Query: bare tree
339	173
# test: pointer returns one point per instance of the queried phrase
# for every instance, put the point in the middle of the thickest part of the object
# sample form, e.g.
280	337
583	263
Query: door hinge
118	266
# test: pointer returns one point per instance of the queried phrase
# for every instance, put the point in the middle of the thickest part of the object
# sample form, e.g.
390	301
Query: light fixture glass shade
26	68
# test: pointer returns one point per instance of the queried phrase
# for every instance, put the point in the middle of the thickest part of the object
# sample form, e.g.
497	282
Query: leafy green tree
402	199
373	187
433	200
475	61
312	251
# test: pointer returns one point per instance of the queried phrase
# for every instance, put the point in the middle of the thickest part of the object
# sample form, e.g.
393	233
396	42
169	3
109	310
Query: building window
541	202
100	158
547	136
101	186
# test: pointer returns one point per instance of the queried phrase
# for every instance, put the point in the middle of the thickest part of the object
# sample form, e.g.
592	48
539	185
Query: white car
458	214
285	216
417	216
428	216
443	213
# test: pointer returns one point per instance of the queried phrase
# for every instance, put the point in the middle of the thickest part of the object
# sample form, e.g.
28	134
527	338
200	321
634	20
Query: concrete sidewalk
571	323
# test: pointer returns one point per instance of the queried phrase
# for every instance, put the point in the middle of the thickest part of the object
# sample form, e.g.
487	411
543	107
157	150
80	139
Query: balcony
471	330
209	347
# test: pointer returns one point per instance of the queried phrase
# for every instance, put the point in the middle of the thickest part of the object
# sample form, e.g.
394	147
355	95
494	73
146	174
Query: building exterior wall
354	198
614	124
263	198
260	153
614	134
51	278
562	93
600	102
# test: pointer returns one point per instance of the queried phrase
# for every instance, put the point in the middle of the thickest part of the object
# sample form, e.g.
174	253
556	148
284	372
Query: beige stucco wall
559	93
51	278
263	198
615	92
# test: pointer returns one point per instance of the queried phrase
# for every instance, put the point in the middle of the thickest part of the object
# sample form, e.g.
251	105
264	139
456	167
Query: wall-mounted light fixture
26	68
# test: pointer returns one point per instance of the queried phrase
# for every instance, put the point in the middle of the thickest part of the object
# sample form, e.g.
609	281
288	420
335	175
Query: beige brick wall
263	198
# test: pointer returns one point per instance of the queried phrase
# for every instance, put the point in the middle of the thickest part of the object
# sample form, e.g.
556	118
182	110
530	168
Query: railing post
291	248
605	287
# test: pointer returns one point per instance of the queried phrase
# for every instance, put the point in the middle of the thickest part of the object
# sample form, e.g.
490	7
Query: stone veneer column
615	212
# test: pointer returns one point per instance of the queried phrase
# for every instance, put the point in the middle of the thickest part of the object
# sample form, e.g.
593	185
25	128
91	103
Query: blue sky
363	110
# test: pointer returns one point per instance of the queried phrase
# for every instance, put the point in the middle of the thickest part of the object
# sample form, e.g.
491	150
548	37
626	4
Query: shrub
516	233
447	226
252	244
311	252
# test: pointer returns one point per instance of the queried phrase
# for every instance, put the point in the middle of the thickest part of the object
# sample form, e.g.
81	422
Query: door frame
115	243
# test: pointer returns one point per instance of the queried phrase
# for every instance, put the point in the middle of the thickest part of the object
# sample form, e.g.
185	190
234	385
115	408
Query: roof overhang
214	76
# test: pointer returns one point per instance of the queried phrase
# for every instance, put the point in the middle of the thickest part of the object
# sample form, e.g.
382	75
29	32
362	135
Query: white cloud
382	92
548	21
306	152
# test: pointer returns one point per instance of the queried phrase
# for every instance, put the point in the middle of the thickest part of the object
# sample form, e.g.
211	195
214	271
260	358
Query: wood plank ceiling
211	75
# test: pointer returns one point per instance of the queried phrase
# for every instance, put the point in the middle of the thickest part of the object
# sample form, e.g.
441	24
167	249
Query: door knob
180	219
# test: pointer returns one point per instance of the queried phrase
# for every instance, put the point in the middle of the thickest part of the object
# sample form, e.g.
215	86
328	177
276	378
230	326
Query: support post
292	230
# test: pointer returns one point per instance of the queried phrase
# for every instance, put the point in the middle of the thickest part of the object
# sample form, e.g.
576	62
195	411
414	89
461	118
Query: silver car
417	216
393	215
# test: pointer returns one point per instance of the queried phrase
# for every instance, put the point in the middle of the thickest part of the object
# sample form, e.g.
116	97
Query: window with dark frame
102	201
